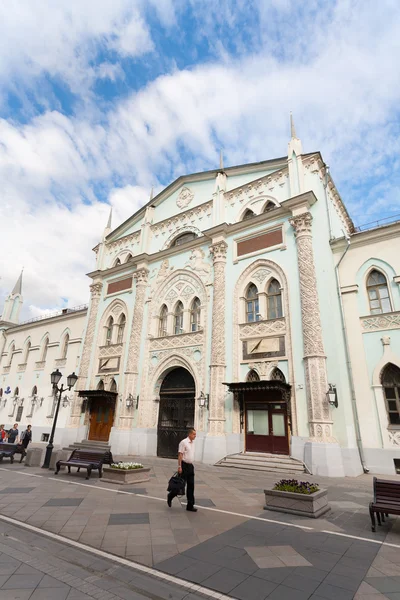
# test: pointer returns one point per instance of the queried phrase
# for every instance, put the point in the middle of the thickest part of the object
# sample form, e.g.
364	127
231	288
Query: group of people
12	436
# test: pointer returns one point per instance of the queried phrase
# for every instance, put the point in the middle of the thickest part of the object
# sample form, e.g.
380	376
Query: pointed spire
292	129
151	193
109	220
221	160
18	286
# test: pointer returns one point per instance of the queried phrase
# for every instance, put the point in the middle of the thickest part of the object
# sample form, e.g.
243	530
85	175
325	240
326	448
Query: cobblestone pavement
230	545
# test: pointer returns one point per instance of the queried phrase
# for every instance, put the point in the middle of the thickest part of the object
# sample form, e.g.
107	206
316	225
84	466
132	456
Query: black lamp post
58	391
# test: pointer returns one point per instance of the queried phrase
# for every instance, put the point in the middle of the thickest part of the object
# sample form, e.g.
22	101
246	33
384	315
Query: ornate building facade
226	304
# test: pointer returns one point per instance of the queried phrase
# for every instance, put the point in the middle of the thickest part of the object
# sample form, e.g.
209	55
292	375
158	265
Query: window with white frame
252	304
11	355
195	313
163	321
45	349
109	332
178	319
27	350
121	328
64	350
378	293
274	300
183	238
391	388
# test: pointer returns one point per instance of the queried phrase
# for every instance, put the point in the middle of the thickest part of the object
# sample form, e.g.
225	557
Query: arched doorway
176	414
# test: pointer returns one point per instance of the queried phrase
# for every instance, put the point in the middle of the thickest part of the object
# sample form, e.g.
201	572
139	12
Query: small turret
13	303
295	163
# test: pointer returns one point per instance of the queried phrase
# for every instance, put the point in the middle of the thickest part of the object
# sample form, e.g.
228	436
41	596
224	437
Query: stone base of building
380	461
328	460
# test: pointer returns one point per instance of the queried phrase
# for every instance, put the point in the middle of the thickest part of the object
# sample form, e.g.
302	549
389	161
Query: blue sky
99	101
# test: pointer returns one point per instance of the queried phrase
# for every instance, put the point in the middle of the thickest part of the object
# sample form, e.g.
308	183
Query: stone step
267	464
271	469
262	462
263	457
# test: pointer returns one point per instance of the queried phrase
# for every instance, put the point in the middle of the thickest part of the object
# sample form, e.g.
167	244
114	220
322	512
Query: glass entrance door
266	428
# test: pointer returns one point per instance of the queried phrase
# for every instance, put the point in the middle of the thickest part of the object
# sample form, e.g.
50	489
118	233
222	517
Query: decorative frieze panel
185	219
111	350
128	242
262	328
381	322
260	187
394	437
21	367
60	362
40	365
177	341
6	369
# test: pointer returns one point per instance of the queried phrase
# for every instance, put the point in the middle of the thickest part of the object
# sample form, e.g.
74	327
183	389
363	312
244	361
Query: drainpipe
326	201
348	362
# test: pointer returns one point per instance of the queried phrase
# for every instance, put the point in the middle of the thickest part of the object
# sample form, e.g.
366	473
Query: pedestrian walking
186	469
3	434
13	434
26	436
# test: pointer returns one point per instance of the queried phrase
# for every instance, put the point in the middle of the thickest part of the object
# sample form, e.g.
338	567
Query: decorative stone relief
261	275
182	223
263	368
112	350
159	275
128	242
262	186
262	328
198	264
381	322
394	437
319	418
177	341
185	197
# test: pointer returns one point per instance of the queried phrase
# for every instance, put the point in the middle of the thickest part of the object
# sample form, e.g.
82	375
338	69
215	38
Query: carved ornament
218	252
301	224
185	197
381	322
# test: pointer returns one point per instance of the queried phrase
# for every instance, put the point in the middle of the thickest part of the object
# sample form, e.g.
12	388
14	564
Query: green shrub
298	487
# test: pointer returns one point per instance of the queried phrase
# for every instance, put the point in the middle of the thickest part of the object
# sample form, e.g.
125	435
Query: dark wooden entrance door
176	414
101	419
267	427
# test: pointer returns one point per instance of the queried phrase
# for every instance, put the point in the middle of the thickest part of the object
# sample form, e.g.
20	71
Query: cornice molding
363	238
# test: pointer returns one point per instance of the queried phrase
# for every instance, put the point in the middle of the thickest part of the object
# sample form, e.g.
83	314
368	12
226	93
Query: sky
100	101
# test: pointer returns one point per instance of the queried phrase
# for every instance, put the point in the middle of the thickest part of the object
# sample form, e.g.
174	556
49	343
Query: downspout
327	203
348	362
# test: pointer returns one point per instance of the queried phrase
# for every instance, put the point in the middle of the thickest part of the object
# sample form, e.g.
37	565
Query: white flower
127	465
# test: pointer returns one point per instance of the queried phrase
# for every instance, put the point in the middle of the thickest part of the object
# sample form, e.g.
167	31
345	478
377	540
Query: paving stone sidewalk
222	546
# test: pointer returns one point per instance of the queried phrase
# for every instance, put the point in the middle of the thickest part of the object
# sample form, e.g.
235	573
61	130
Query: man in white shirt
186	469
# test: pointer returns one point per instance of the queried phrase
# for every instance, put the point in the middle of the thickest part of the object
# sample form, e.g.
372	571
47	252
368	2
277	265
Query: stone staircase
89	445
254	461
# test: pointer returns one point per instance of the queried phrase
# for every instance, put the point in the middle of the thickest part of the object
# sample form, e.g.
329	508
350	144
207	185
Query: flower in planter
298	487
126	466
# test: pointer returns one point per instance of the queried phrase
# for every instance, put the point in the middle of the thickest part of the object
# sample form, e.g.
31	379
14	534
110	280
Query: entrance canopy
98	395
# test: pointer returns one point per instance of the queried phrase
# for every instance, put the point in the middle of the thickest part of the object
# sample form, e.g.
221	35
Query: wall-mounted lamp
202	400
331	395
65	401
129	401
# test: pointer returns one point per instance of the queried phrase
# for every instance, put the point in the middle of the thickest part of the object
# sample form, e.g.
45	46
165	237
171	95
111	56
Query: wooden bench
86	459
7	451
386	500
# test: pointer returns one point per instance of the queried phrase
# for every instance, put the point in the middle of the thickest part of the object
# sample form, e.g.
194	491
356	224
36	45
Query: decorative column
218	361
319	417
95	290
132	368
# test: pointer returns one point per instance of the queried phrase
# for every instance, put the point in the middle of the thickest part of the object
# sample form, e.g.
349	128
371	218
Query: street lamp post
58	391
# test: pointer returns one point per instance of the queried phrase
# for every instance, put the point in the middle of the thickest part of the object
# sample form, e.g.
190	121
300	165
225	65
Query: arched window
1	392
162	326
183	238
11	355
195	312
252	307
121	329
16	392
34	391
178	319
129	258
100	385
278	375
391	387
109	331
252	376
27	350
64	350
269	206
113	386
274	300
45	348
248	214
117	262
378	293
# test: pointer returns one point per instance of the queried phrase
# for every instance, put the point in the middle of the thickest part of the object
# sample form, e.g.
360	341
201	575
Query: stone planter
125	476
312	505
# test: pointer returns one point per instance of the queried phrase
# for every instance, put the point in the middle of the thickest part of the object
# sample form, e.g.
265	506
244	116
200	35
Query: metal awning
257	386
98	394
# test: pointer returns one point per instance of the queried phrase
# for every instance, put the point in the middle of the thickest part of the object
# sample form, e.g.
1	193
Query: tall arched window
274	300
183	238
162	325
195	312
252	306
109	331
16	392
1	392
27	350
45	348
121	329
64	350
34	391
248	214
378	293
11	355
391	387
178	318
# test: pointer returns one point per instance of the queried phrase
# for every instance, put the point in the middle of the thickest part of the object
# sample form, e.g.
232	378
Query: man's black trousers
188	476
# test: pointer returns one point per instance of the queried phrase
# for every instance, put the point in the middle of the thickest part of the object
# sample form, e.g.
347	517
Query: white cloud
344	92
